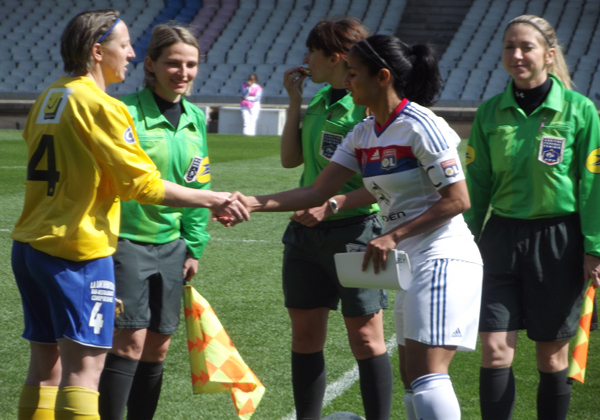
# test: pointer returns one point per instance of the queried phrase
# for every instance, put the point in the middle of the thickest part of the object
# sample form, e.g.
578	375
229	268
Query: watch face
333	205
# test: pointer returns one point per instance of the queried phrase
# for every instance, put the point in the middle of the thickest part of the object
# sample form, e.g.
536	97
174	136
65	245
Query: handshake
230	209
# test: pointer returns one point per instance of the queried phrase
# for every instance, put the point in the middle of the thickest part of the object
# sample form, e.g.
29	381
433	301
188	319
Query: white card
397	274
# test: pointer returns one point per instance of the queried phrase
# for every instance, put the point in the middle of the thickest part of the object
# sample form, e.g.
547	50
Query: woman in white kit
408	159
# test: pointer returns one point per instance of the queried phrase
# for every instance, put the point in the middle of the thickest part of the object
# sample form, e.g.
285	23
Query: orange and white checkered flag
582	338
216	364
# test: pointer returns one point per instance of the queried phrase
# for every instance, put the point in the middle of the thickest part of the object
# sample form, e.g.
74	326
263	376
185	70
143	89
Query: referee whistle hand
292	82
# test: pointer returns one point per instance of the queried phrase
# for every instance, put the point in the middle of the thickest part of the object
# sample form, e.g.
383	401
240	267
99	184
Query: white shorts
441	306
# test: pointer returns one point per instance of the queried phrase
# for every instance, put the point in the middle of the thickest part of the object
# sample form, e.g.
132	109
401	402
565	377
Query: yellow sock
37	402
76	403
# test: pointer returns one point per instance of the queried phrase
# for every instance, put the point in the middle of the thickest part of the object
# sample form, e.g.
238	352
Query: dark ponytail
415	69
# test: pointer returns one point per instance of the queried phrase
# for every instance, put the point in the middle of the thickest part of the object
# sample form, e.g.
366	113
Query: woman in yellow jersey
83	156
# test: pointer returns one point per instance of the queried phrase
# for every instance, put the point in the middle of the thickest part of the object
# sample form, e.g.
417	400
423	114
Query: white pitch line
348	379
13	167
243	240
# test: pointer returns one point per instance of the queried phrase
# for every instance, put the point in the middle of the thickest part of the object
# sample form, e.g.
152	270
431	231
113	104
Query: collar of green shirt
324	95
554	100
153	116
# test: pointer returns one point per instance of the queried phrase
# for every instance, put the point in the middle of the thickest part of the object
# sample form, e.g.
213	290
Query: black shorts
149	281
533	276
309	276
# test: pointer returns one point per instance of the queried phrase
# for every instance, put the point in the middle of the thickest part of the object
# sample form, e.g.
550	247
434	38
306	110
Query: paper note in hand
397	274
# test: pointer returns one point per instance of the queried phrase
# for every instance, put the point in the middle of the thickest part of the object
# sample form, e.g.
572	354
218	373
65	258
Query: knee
129	343
307	341
366	338
552	357
366	347
496	354
156	351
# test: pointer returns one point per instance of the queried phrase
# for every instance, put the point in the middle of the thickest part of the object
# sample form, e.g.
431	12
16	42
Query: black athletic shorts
532	276
309	276
149	281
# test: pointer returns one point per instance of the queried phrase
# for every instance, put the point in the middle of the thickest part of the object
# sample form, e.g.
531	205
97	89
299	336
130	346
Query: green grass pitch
240	277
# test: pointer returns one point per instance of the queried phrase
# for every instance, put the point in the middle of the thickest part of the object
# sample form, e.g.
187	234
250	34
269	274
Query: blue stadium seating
239	37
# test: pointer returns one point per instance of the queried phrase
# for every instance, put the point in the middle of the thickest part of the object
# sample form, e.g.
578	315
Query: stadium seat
231	88
455	84
475	85
24	67
496	83
582	80
263	34
208	89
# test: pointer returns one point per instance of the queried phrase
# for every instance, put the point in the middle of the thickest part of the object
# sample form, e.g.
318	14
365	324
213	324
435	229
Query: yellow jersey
83	154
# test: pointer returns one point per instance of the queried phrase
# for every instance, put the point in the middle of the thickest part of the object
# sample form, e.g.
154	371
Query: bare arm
351	200
454	201
329	181
216	202
291	144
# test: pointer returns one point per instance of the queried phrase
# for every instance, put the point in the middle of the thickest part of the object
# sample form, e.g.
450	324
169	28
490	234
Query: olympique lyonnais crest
551	150
330	142
388	159
450	168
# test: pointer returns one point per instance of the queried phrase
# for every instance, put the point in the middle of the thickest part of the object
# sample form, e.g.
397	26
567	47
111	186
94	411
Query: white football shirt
403	164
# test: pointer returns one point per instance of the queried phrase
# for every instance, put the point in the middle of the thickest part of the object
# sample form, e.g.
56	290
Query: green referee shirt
181	156
323	128
539	166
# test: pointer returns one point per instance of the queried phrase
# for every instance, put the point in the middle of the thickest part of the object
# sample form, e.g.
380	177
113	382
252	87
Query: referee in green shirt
534	158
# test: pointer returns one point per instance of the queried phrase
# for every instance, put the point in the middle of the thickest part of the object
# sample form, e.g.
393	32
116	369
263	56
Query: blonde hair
548	37
163	36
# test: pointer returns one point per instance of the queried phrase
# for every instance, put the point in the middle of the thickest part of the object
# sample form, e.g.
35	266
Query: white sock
434	398
409	407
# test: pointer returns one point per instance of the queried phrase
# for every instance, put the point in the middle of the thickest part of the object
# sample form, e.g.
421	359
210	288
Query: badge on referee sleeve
215	362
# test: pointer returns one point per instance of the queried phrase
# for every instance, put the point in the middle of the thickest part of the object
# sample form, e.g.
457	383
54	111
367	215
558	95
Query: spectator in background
251	93
533	157
83	155
158	246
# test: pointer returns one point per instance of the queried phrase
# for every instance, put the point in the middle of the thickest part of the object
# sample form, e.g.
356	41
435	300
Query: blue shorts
65	299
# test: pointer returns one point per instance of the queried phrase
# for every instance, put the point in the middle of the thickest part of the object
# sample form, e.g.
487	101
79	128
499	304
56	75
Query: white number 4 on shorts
96	318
